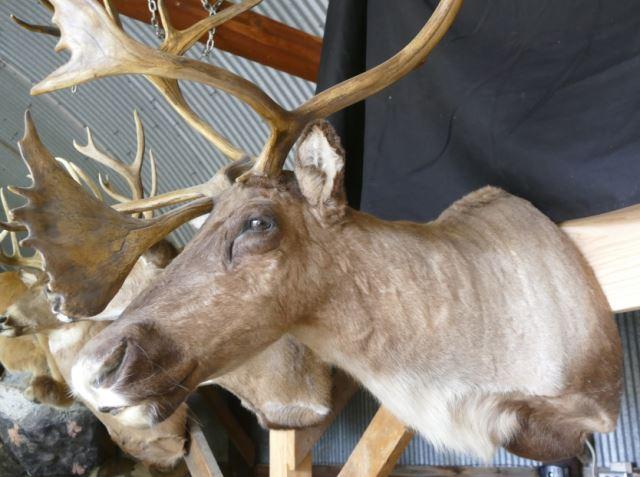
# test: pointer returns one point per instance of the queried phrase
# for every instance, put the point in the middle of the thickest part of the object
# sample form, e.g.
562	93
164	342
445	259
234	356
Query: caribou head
261	262
484	328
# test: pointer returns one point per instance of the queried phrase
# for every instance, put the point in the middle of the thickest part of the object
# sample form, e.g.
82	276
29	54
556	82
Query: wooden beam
237	435
200	459
379	448
425	471
250	35
611	244
282	455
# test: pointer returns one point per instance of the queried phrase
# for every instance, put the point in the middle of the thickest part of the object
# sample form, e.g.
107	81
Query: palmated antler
85	273
15	257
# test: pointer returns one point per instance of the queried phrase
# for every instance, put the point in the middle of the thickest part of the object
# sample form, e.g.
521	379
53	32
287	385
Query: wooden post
200	459
379	448
282	455
290	450
610	243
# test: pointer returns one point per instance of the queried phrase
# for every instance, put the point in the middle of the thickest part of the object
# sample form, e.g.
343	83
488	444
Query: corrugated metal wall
184	159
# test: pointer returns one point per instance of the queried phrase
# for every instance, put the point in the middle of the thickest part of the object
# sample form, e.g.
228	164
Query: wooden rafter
250	35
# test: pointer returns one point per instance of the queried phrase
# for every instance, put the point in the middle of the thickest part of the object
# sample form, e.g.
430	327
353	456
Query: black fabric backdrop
541	98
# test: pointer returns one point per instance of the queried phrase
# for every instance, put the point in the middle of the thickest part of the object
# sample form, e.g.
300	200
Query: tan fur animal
30	353
484	328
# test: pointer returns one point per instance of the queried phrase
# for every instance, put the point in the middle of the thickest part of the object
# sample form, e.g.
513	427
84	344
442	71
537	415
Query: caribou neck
381	274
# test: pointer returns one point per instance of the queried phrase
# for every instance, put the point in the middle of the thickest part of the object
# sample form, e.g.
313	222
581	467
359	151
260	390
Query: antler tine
86	180
131	173
136	166
15	258
15	246
179	42
154	175
46	29
46	4
113	12
80	176
154	184
109	190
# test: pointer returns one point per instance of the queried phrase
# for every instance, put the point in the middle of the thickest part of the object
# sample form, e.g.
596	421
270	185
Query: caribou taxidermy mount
483	328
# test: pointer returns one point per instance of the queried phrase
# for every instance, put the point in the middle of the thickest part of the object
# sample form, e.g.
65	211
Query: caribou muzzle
139	384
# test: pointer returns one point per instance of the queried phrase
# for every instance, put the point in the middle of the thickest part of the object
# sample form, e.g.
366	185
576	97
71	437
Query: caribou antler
105	50
85	273
176	42
131	173
80	177
111	52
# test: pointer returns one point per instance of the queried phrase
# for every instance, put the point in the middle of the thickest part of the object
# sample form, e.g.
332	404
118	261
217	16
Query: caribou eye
258	224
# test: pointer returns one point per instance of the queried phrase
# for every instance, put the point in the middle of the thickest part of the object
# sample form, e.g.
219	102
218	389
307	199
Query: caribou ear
319	167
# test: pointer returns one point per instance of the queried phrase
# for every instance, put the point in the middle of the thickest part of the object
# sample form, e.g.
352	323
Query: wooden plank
611	244
282	455
200	459
236	432
379	448
424	471
250	35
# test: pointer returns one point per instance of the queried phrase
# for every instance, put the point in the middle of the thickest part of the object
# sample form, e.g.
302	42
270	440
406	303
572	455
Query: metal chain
213	10
155	21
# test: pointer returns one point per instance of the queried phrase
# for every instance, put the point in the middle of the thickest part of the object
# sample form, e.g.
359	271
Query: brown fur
30	354
488	314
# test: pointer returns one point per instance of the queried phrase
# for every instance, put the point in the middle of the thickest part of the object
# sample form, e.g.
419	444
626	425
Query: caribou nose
108	370
3	319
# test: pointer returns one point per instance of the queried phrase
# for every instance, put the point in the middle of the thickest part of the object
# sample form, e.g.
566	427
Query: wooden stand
379	448
290	451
